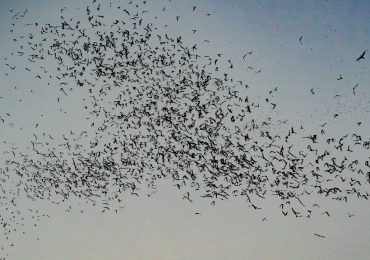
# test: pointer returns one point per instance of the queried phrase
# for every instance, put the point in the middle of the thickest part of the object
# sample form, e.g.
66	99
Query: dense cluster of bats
160	110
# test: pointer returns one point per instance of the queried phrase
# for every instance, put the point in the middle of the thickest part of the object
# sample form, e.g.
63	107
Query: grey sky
164	226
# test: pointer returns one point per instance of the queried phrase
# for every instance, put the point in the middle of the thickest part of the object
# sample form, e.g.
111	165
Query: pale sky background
334	34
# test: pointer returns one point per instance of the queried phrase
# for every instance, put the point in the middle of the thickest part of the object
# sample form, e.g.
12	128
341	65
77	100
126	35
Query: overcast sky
334	34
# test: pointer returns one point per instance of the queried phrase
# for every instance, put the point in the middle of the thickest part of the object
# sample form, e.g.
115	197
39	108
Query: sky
164	226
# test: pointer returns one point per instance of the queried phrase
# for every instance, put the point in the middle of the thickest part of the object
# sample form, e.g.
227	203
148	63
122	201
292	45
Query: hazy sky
334	34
